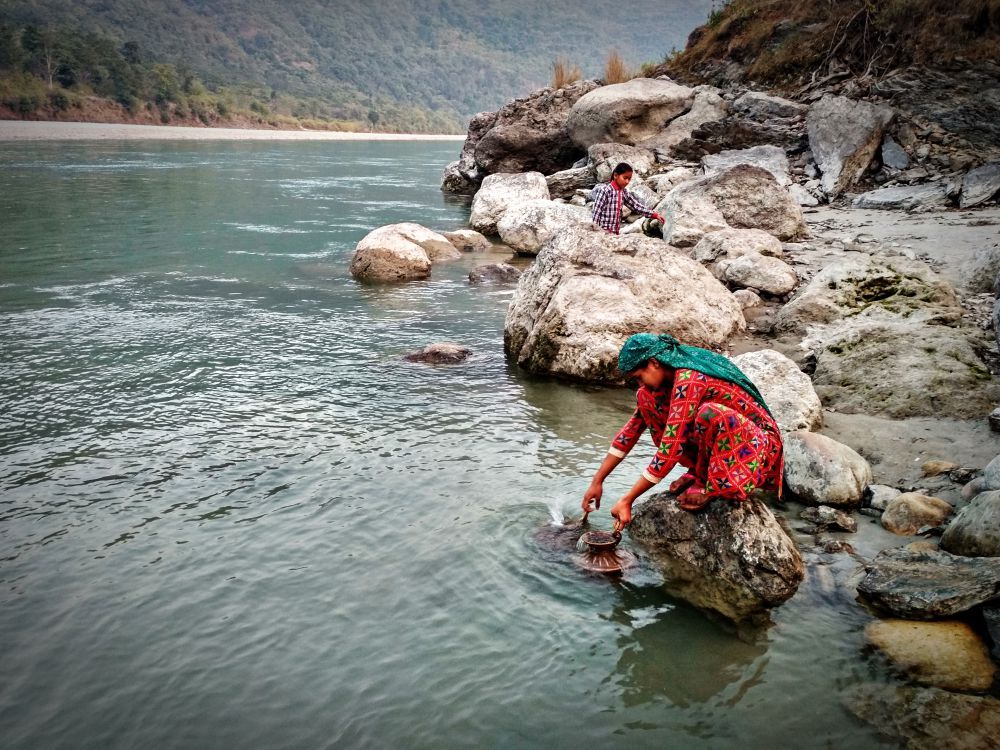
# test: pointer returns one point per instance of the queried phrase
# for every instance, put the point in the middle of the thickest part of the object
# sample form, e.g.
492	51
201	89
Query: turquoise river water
232	516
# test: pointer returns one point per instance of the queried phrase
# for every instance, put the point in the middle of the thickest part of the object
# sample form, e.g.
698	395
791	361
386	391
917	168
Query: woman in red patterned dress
702	413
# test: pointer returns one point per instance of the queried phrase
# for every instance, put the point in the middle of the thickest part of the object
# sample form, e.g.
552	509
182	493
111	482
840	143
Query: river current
232	516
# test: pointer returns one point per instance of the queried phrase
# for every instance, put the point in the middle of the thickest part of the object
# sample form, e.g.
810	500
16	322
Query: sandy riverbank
22	130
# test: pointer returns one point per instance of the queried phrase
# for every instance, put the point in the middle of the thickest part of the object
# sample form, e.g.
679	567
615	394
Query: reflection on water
232	516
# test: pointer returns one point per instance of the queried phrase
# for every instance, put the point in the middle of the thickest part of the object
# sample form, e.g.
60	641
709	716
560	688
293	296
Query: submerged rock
468	241
494	273
928	718
442	353
945	654
732	559
825	517
588	291
926	584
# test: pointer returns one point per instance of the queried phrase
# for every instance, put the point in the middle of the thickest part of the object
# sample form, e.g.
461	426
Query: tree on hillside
373	118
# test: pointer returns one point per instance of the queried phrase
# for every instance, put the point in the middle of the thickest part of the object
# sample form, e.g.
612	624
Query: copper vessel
602	557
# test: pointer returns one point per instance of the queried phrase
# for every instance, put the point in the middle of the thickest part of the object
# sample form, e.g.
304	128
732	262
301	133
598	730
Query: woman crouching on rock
704	414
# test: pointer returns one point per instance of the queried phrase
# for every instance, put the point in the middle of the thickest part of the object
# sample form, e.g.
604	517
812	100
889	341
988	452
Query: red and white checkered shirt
607	208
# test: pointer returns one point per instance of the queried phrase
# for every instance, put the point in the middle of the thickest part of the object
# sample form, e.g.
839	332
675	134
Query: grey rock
771	158
732	559
979	185
468	241
991	618
398	252
893	155
464	175
844	135
975	530
924	584
587	291
820	470
995	414
760	272
664	182
925	718
787	390
442	353
802	196
825	517
733	243
761	106
526	226
627	112
499	192
494	273
748	299
982	270
604	157
707	107
564	184
905	197
878	496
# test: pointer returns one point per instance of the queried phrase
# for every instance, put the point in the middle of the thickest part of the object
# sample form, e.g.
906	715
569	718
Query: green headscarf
641	347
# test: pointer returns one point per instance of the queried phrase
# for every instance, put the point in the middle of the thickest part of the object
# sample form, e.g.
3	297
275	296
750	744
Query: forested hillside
412	64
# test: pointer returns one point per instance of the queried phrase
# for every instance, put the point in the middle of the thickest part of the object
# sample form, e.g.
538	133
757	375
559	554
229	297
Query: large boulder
529	134
771	158
909	512
928	718
947	654
528	225
588	291
985	482
787	390
464	175
732	559
707	106
975	531
626	112
822	471
899	287
761	106
916	583
398	252
844	135
979	185
744	196
565	183
732	243
604	157
499	192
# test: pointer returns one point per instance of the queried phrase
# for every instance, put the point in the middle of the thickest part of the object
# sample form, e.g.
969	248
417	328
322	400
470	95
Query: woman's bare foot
681	483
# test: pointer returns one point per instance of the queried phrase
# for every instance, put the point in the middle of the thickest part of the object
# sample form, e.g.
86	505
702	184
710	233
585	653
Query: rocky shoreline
844	253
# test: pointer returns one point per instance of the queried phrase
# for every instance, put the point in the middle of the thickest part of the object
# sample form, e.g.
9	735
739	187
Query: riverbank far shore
33	130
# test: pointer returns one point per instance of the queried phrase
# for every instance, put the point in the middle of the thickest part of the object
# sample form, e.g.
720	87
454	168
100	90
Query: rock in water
945	654
732	559
921	584
975	531
468	241
844	135
928	718
499	192
494	273
398	252
442	353
909	512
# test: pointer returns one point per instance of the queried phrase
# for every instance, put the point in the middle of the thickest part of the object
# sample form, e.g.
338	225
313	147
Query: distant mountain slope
452	57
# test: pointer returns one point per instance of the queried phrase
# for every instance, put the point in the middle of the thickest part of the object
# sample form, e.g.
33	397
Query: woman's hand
592	495
622	513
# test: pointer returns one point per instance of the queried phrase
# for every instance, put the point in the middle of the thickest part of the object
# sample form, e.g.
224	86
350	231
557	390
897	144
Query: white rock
626	112
844	135
771	158
397	252
499	191
802	196
708	106
979	185
756	271
604	157
748	299
787	390
528	225
820	470
732	243
664	182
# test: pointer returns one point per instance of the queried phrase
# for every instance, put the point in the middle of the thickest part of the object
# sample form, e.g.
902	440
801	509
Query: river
232	516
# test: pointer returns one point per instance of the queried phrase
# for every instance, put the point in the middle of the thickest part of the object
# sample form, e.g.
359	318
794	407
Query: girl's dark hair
622	168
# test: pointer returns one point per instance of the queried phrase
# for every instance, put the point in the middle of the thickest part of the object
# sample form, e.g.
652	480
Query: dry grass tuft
615	70
563	74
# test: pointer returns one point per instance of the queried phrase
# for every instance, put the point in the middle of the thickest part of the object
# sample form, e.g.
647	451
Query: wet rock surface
975	530
732	559
494	273
910	512
442	353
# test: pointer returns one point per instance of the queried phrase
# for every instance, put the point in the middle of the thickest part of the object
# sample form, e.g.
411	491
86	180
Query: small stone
825	517
962	475
934	468
911	511
877	497
834	546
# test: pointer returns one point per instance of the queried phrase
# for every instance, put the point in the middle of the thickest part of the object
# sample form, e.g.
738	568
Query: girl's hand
592	497
622	513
